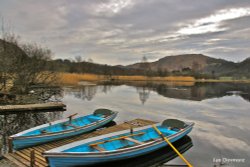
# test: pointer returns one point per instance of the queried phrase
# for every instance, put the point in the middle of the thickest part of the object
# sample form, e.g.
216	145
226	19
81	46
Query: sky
123	31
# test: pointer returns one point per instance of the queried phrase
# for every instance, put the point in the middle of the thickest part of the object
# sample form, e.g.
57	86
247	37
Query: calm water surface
220	112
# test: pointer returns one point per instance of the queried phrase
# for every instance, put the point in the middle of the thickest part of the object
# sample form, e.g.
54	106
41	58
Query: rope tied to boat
172	146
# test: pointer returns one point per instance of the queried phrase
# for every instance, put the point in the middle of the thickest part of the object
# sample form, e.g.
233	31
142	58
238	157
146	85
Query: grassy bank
73	78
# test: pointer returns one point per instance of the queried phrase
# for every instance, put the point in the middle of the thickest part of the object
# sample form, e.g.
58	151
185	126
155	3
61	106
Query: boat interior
71	124
167	128
98	115
123	141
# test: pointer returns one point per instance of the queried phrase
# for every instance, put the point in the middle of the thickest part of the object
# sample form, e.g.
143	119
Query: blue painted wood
59	130
81	153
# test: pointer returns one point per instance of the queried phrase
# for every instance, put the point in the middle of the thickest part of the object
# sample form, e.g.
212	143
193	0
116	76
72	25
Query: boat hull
69	160
23	142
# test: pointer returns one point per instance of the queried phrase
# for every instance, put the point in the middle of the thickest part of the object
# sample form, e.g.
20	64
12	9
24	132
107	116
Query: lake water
220	111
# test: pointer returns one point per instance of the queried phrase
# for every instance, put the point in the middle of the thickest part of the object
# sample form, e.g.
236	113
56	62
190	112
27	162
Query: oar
171	145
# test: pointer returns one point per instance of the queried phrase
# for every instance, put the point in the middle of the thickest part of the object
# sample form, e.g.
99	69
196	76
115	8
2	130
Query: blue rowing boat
117	146
62	128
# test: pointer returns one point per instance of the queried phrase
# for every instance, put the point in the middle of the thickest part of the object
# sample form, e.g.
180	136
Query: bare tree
144	59
78	59
90	60
32	69
8	53
23	65
145	66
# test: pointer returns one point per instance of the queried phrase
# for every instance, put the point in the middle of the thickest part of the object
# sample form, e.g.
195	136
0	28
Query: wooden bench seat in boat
95	145
133	140
98	148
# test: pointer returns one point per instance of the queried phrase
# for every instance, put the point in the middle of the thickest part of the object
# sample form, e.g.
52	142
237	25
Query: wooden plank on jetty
33	107
33	156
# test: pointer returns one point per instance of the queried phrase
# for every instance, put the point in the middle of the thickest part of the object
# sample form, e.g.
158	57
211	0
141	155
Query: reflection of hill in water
155	158
186	91
197	91
202	91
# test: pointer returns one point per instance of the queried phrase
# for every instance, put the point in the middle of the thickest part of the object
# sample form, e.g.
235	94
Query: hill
197	63
179	62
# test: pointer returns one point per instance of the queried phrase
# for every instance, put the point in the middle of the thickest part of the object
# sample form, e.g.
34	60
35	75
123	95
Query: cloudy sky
122	31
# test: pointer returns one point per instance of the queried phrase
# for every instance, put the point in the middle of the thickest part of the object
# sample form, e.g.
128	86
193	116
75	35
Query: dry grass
144	78
72	78
220	80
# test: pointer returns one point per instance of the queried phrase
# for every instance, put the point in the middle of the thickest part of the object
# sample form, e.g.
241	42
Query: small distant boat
62	128
117	146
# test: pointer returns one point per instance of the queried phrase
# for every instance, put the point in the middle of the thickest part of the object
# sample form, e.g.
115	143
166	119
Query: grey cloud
123	33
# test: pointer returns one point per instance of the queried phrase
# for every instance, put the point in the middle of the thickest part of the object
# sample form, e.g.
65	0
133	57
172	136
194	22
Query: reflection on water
155	158
84	92
196	92
199	91
143	93
13	123
220	112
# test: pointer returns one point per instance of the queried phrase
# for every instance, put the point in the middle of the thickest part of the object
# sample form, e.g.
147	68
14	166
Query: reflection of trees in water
13	123
87	92
172	91
201	91
55	96
35	95
246	96
105	88
215	90
196	92
143	93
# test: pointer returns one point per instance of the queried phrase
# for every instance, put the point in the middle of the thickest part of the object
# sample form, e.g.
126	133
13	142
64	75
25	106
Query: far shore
75	78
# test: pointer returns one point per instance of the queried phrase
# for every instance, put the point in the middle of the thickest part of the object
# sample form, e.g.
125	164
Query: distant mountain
197	62
179	62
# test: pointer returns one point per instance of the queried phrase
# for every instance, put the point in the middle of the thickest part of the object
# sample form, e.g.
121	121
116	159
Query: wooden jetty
33	107
33	156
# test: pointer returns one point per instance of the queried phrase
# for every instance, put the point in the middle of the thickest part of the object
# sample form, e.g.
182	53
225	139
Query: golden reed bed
73	78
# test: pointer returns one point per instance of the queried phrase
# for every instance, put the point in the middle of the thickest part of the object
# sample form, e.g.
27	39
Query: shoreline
75	78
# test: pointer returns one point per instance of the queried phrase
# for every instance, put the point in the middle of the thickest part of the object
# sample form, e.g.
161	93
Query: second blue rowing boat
117	146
